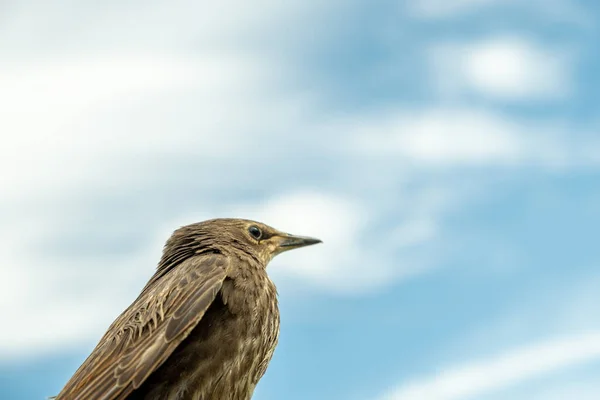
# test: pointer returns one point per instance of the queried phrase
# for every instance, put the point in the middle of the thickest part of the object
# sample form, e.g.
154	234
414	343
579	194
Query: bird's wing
142	338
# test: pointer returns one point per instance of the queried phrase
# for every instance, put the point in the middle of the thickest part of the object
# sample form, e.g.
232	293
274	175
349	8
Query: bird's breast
253	302
228	352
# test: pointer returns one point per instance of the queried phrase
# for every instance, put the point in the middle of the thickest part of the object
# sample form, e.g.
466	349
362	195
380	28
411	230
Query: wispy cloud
494	360
505	68
478	377
565	11
580	389
440	8
462	136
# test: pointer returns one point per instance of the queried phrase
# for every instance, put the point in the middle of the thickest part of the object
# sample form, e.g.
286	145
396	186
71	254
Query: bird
205	325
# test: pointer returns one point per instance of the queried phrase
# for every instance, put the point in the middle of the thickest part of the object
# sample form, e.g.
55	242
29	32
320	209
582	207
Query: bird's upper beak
288	242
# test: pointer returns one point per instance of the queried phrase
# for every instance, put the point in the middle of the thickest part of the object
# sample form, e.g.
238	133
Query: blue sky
448	154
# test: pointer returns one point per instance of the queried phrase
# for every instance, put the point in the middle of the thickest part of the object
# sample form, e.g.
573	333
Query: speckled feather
203	328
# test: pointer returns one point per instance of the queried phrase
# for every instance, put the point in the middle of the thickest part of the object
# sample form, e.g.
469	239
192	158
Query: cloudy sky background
447	152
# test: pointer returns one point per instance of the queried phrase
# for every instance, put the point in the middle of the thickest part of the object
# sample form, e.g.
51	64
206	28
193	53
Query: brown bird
203	328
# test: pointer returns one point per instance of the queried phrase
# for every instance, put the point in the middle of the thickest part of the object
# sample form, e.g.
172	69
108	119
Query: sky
446	152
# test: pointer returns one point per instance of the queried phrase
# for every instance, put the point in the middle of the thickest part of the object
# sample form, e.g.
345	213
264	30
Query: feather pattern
142	338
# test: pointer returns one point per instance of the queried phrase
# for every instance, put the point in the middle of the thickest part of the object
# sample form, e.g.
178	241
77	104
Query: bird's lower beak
289	242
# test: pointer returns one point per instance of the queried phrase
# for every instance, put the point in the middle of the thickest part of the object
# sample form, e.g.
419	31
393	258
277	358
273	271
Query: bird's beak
289	242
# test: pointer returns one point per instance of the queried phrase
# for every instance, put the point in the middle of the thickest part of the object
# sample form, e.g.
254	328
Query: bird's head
267	242
227	235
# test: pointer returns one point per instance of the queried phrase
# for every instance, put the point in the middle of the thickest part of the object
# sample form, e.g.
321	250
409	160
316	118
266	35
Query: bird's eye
255	232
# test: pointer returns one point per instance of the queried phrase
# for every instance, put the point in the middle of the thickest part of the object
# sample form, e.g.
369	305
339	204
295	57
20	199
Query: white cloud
178	25
505	68
550	11
441	8
66	117
566	390
574	304
480	377
51	304
460	137
580	384
414	232
446	137
541	370
512	68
